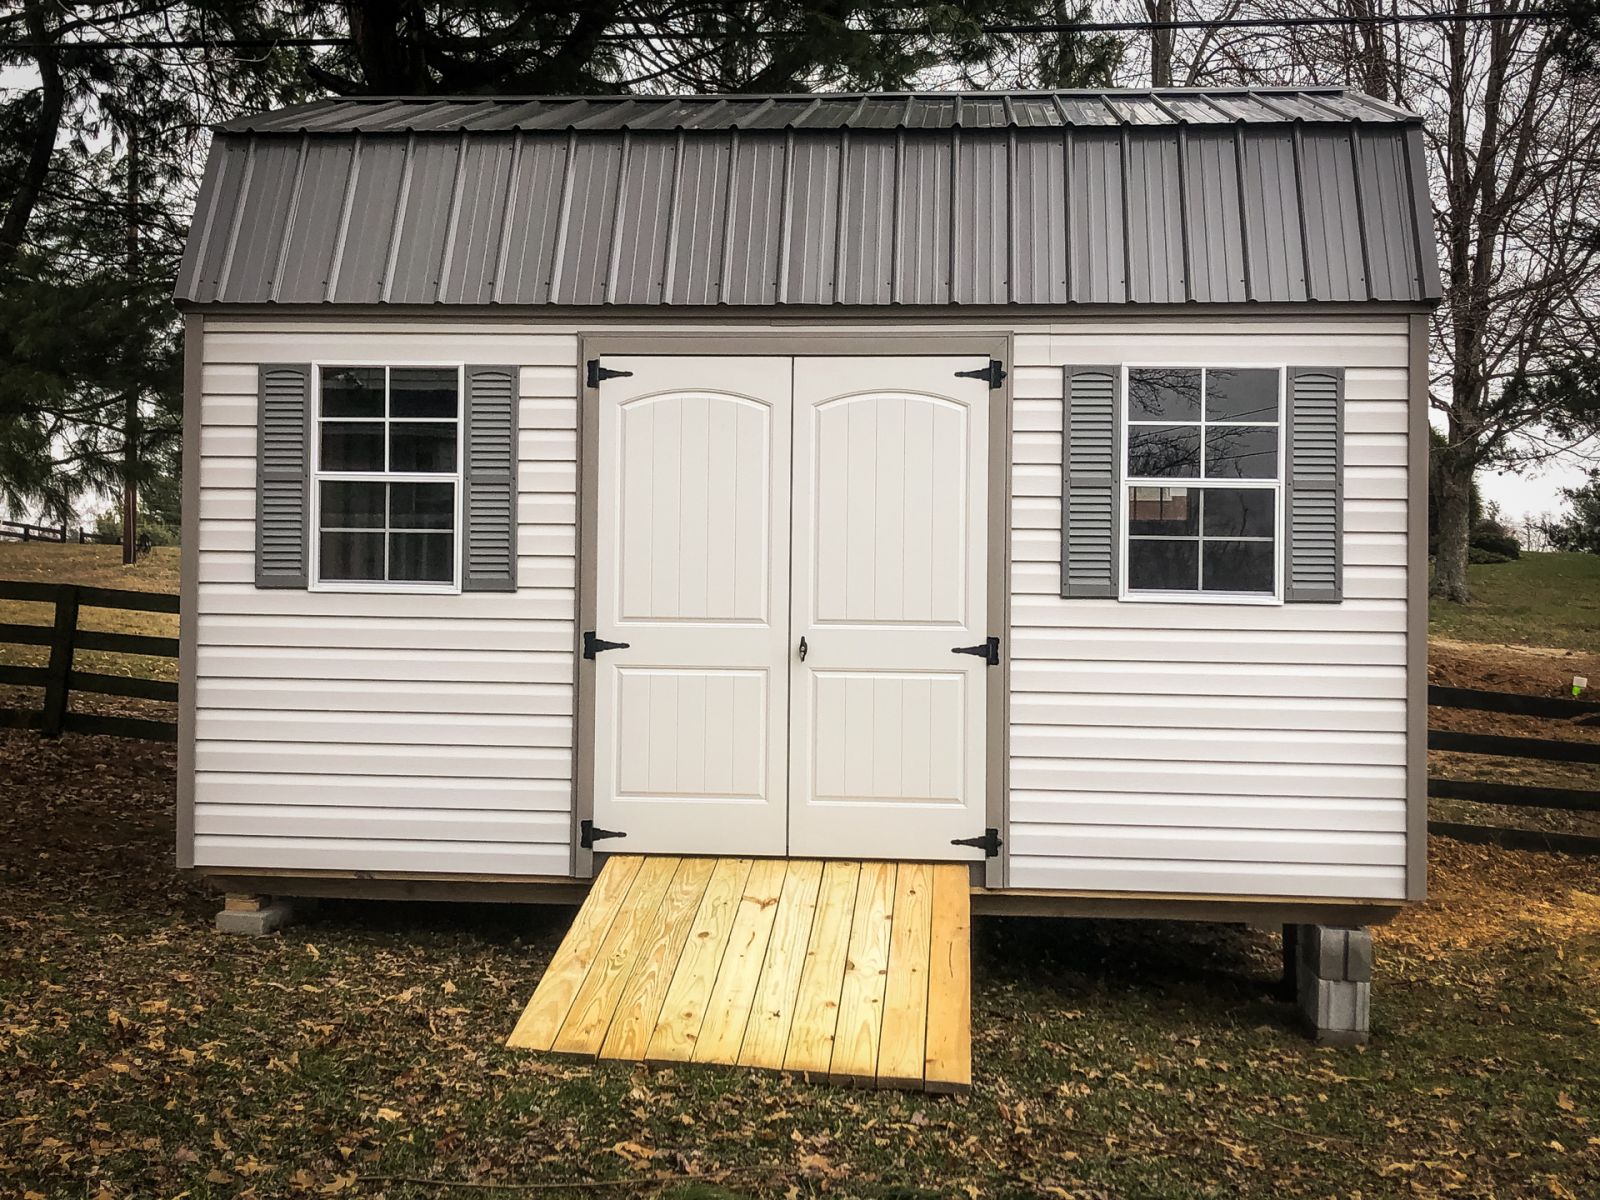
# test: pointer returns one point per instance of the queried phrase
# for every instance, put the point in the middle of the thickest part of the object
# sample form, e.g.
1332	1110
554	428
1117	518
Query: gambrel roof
1038	199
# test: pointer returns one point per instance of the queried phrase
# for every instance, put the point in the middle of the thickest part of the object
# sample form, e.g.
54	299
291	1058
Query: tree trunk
1161	44
52	102
130	416
1453	495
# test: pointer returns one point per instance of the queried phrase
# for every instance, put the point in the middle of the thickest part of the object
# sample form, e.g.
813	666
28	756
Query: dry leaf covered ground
142	1054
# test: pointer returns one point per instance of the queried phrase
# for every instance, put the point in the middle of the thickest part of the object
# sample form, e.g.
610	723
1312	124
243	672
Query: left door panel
692	573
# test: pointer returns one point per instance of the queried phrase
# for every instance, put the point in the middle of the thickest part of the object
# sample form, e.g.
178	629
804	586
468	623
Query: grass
144	1054
1537	600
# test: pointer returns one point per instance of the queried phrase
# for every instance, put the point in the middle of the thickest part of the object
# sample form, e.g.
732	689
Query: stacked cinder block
1334	983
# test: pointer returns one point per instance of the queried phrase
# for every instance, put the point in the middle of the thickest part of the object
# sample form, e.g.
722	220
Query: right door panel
888	727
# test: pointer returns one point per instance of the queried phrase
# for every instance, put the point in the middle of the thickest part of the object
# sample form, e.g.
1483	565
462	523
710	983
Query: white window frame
318	475
1276	485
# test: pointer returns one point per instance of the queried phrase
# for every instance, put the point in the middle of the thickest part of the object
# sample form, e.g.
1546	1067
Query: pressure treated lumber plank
948	1061
640	1004
772	1009
552	999
728	1011
903	1040
585	1026
816	1006
689	992
855	1040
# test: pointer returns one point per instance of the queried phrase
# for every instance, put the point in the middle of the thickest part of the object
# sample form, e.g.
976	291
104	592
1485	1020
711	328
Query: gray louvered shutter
1312	553
1089	481
283	474
490	564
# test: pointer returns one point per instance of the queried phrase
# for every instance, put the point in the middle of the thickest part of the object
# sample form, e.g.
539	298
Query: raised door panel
890	547
692	574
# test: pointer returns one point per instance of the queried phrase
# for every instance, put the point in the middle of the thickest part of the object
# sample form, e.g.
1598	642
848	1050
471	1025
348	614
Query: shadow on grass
1193	971
498	925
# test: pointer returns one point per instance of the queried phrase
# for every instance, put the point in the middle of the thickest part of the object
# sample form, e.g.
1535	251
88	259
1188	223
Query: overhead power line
300	43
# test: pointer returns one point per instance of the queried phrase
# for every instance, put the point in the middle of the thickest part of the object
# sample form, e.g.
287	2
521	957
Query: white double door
792	550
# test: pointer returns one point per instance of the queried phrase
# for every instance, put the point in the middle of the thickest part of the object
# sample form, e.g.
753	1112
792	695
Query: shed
1029	481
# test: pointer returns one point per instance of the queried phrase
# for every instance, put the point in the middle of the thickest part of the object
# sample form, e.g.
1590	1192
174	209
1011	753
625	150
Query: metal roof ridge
1324	89
445	114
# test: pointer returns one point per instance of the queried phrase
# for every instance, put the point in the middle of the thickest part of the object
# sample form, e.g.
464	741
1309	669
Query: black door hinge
994	373
593	645
989	651
597	373
588	835
989	843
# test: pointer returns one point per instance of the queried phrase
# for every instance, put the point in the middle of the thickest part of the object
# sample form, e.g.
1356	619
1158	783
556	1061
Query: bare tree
1513	139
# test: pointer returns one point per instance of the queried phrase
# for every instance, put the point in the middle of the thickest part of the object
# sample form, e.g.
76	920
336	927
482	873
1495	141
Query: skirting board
1263	911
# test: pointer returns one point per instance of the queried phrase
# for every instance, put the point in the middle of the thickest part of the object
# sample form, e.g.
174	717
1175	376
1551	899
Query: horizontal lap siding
1212	748
423	734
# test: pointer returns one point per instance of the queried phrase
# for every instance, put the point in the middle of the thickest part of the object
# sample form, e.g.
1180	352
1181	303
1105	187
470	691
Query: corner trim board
189	582
1417	611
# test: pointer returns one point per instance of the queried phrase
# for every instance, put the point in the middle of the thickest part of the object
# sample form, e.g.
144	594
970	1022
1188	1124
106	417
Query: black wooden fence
21	531
60	678
1516	795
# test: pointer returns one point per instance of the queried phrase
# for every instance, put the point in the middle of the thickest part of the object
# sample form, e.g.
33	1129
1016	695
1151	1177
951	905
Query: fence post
60	668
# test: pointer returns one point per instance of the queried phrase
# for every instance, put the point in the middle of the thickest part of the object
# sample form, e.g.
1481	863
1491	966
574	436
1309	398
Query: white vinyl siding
1238	749
365	731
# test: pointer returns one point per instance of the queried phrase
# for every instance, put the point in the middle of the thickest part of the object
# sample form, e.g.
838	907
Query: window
388	481
1203	475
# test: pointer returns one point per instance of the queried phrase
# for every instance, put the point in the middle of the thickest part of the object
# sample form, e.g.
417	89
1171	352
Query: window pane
422	506
352	446
1163	394
352	391
1242	452
1250	395
350	505
428	448
1163	566
422	392
1239	512
1238	566
420	557
1174	512
352	556
1163	451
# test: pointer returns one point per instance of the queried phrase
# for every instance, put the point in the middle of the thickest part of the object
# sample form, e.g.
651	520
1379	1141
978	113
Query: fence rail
59	678
21	531
1515	795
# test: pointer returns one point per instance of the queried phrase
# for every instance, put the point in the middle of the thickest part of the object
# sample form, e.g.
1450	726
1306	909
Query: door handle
803	647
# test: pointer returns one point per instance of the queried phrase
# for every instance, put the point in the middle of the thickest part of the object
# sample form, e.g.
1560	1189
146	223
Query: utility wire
296	43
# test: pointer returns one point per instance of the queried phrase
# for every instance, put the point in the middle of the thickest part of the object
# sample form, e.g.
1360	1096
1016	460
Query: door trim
801	343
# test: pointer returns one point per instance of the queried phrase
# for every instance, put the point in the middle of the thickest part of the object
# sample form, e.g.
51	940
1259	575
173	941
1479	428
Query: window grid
388	478
1201	483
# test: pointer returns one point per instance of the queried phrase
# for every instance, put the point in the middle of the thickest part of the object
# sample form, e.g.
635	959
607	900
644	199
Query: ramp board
854	972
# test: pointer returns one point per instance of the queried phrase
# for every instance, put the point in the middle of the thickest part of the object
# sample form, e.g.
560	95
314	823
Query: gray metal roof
1030	199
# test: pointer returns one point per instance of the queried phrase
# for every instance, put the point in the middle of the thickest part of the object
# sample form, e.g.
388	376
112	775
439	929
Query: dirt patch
1493	667
1482	896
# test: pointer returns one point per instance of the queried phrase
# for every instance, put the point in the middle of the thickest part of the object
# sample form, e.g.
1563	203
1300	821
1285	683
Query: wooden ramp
855	972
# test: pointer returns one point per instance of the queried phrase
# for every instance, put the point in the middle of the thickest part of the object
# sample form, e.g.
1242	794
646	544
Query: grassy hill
1536	600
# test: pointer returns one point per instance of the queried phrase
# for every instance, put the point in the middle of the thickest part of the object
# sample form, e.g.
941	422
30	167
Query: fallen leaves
145	1054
